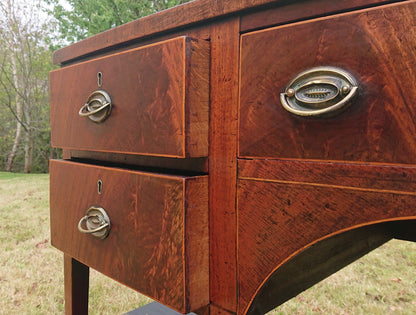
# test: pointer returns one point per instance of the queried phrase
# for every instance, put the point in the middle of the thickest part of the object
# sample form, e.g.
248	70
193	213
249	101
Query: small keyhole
100	78
100	186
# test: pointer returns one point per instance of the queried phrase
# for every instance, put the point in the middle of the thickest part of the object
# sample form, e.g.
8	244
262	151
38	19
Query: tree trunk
29	143
19	114
19	109
13	152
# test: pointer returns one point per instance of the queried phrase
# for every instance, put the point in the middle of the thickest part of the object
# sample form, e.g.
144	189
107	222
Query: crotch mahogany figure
223	156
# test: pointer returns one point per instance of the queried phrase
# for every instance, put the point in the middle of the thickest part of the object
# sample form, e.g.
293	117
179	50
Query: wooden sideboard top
202	11
183	15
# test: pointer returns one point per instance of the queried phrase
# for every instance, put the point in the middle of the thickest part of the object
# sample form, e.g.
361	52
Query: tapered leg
76	277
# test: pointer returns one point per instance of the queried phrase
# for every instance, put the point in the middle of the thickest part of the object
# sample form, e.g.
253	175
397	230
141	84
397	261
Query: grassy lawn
31	273
31	270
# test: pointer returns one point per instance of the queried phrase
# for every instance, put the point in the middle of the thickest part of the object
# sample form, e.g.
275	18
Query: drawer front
151	216
376	46
291	215
159	96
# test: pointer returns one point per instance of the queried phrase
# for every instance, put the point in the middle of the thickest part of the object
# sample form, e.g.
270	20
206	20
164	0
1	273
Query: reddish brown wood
76	282
215	310
165	242
315	263
298	10
291	216
375	45
185	15
146	248
197	243
203	311
223	164
158	109
66	154
197	98
361	176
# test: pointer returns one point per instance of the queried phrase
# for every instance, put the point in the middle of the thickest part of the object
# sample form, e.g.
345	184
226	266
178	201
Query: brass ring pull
84	219
86	111
98	106
320	91
96	221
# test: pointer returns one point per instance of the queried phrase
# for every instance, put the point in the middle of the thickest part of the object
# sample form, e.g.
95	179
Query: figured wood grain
146	248
223	164
197	94
157	109
398	178
191	13
375	45
294	11
315	263
291	216
197	243
161	248
76	285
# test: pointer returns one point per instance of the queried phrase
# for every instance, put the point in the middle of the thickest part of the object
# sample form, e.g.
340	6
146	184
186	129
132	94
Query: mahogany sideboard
221	157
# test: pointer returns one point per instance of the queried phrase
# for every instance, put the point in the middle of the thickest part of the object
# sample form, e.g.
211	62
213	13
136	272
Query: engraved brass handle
96	222
98	106
320	91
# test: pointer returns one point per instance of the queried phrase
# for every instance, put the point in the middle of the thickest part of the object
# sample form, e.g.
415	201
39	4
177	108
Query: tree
88	17
24	66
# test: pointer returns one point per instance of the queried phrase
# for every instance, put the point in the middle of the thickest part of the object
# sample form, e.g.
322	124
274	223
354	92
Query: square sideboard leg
76	279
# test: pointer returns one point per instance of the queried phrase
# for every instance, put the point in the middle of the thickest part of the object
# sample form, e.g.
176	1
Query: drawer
374	46
158	238
291	215
159	96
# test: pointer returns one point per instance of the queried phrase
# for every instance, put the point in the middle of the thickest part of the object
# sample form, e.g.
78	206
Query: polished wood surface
76	278
189	14
375	45
196	243
147	248
290	216
315	263
159	95
223	164
226	196
295	11
395	178
219	311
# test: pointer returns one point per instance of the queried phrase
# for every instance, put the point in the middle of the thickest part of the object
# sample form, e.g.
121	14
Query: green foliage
25	62
35	72
88	17
7	127
27	38
31	272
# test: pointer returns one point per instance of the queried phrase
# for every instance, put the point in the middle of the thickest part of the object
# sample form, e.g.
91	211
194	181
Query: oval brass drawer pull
319	91
98	106
96	221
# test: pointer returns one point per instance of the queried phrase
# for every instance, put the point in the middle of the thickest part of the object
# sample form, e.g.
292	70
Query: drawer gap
141	168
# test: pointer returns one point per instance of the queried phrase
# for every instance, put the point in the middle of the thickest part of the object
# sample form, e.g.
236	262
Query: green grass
31	270
382	282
